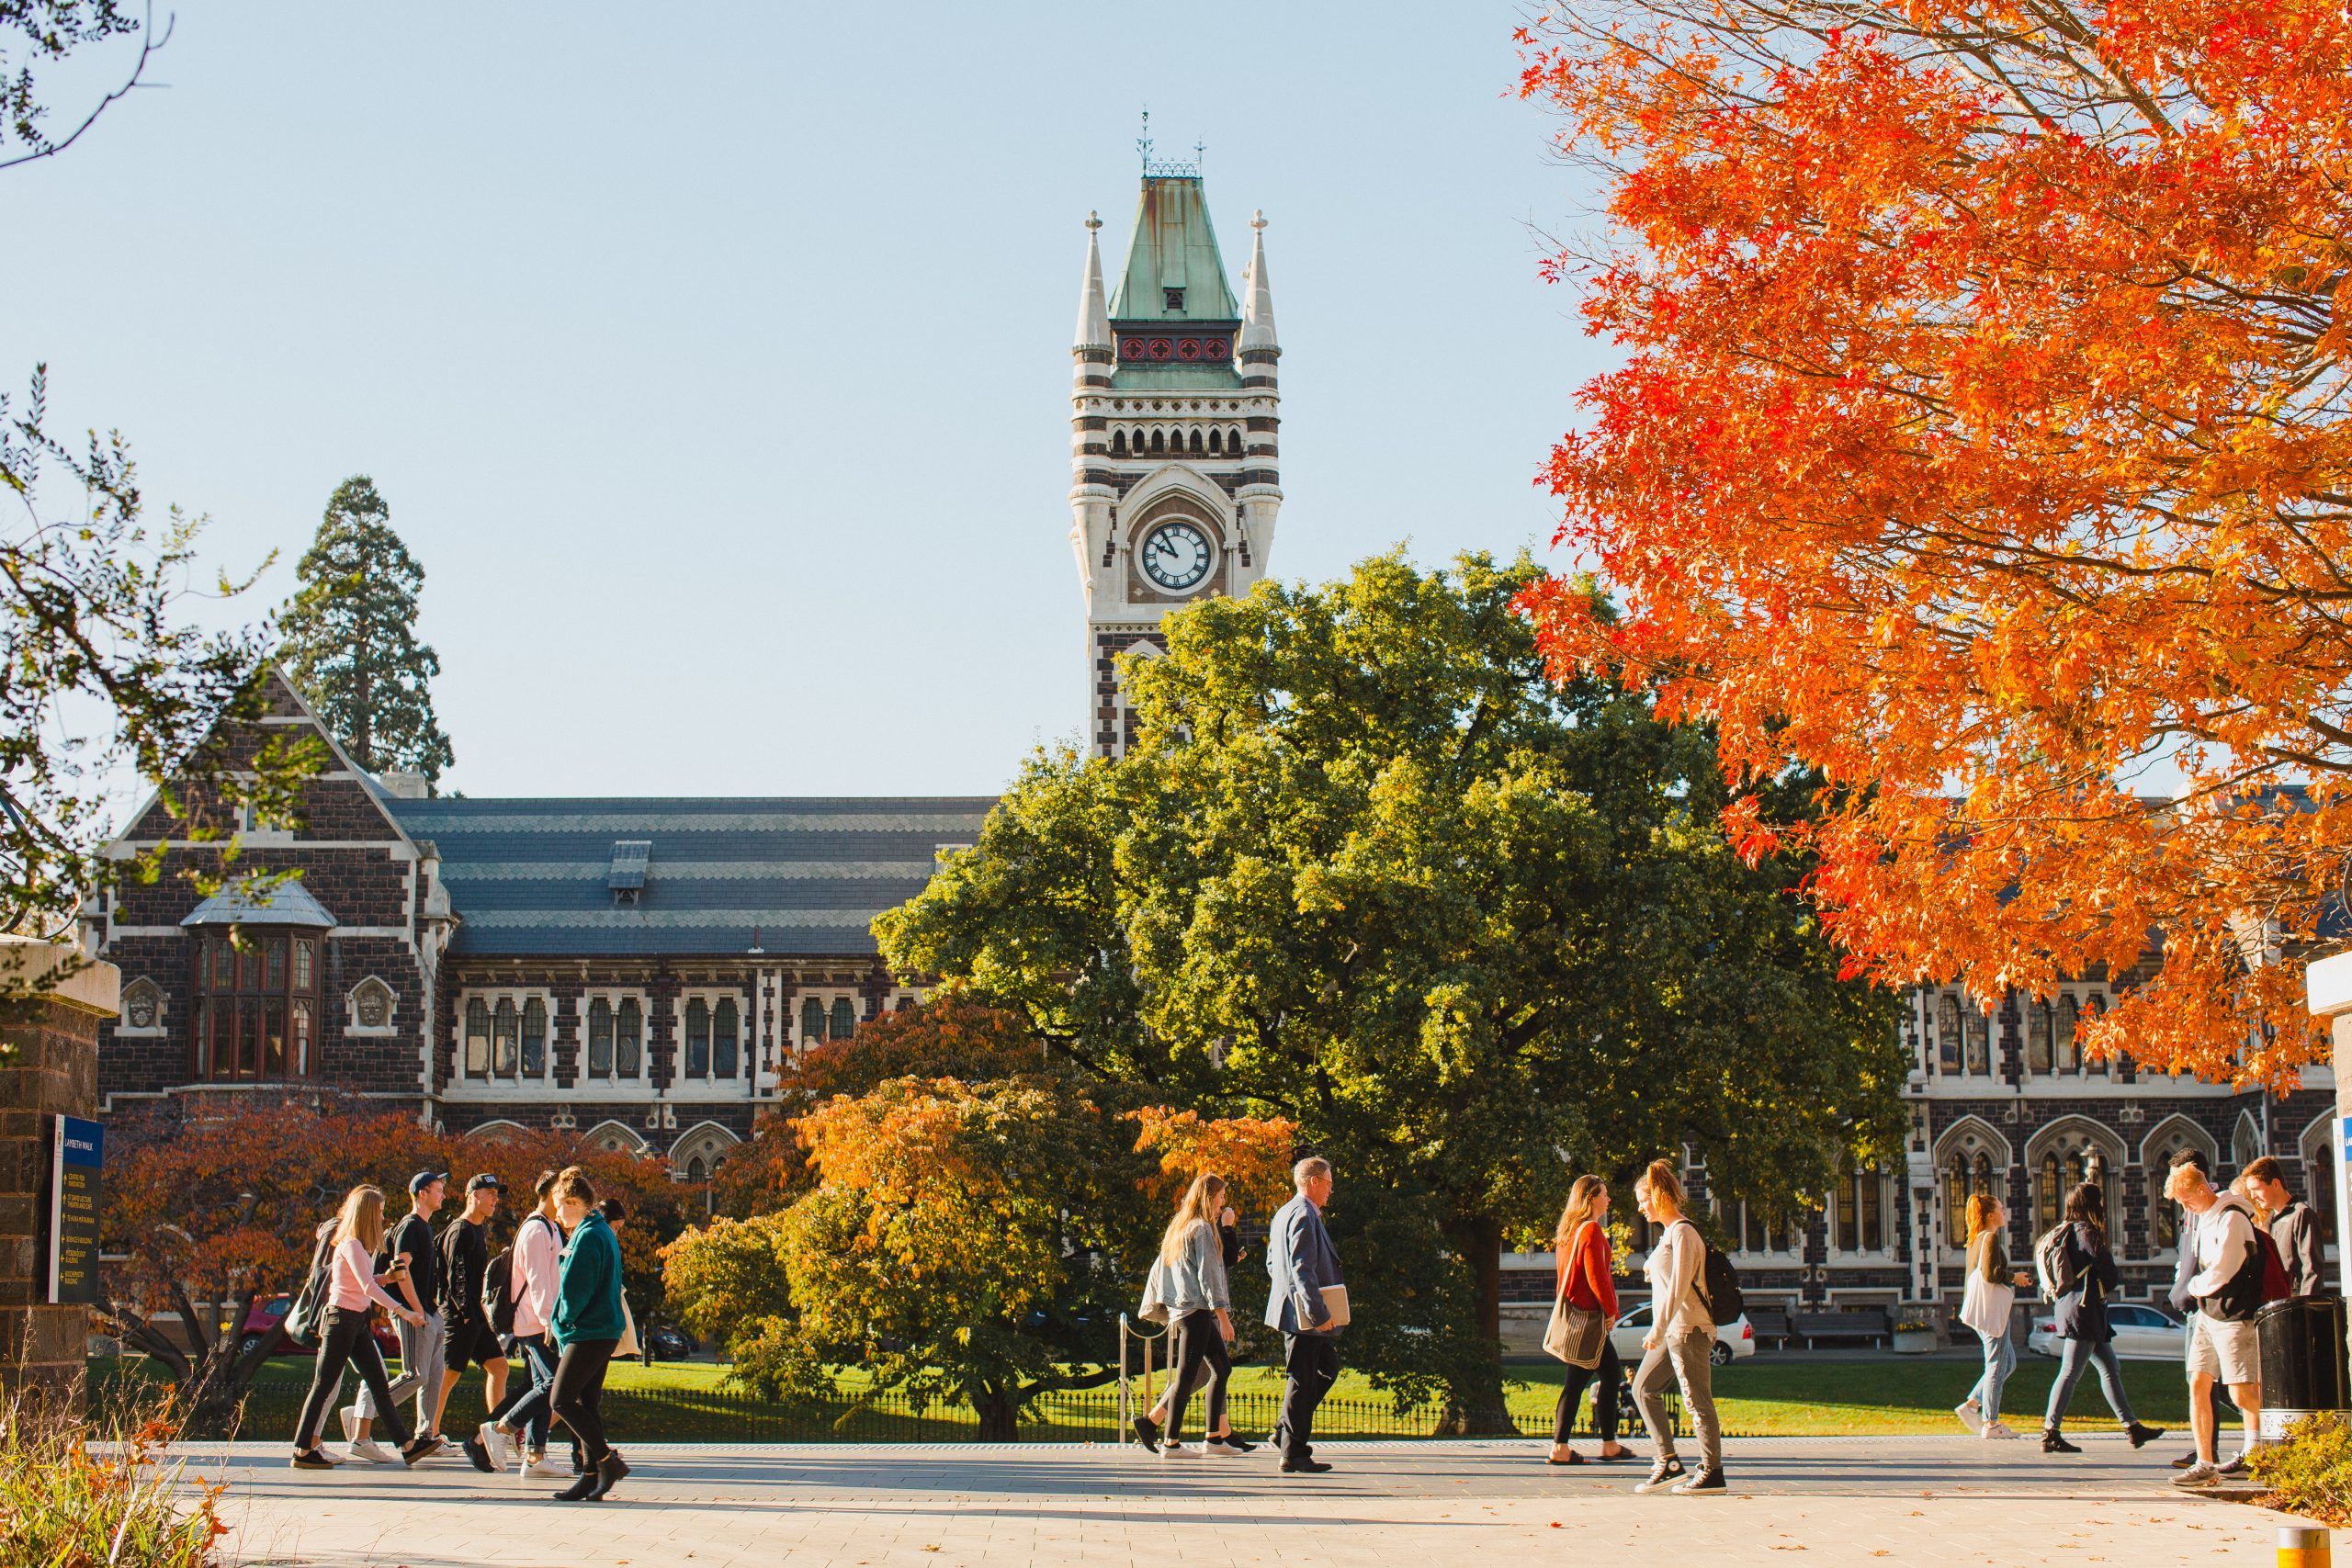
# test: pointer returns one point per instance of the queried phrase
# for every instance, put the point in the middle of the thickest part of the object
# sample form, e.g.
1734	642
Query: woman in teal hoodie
588	1325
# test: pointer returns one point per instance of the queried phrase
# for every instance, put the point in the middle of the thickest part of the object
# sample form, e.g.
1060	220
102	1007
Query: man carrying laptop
1309	1303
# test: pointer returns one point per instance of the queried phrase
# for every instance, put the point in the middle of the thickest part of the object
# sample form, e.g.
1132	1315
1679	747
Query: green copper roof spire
1173	271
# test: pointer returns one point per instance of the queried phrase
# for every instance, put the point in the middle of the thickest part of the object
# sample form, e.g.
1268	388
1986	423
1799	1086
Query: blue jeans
2070	1372
527	1407
2000	1360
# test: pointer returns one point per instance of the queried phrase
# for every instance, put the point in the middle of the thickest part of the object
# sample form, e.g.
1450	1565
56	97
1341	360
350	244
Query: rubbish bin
2304	1369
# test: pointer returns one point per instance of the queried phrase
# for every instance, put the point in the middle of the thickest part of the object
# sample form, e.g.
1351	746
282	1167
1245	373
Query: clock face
1176	556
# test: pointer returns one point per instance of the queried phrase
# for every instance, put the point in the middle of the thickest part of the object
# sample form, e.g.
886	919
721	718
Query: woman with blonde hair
1682	1339
345	1337
1584	1280
1985	1306
1188	1280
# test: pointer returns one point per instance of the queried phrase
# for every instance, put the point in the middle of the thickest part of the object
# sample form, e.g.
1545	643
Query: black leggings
1201	1355
345	1340
1606	1377
578	1395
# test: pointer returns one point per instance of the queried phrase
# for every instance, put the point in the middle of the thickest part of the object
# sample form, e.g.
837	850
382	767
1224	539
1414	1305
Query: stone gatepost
48	1066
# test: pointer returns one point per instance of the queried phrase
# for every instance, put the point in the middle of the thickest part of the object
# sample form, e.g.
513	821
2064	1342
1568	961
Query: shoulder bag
1984	1305
1576	1334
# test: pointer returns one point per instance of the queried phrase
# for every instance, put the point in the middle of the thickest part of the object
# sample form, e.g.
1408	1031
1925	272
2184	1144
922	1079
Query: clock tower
1172	425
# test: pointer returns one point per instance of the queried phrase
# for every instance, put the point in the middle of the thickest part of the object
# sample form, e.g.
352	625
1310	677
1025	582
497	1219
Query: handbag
1985	1306
628	1345
1155	1293
309	1306
1576	1334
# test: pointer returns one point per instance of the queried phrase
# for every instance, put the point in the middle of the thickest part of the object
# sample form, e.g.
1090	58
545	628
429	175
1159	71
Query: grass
1768	1396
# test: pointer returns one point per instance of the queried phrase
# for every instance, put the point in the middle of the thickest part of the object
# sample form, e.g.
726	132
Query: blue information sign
77	1160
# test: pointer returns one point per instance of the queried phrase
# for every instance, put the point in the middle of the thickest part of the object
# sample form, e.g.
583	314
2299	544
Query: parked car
2142	1332
1736	1337
268	1317
670	1343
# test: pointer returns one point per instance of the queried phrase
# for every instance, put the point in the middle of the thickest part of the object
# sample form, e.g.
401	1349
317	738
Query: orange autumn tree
1253	1154
1980	442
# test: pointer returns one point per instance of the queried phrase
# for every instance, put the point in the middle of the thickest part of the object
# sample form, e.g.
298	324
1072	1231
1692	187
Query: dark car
268	1317
670	1344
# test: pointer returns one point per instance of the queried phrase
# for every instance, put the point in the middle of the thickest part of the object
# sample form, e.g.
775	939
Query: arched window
1956	1202
477	1039
694	1169
1232	442
2092	1007
2065	1021
629	1038
697	1039
1216	442
1118	444
1197	443
2037	1036
505	1031
1979	1039
845	1018
812	1020
1948	1032
1159	441
2245	1143
722	1038
301	1060
534	1039
600	1039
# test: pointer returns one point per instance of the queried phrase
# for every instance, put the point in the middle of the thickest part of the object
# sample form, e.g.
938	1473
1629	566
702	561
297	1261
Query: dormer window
1174	298
627	877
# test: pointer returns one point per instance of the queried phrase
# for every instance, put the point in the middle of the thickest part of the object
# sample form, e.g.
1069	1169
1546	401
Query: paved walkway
1436	1504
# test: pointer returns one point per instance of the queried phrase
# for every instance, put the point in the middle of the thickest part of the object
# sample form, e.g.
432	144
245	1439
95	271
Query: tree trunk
999	1413
1474	1396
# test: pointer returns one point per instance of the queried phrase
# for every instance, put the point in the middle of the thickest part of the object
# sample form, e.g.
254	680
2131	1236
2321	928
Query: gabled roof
534	877
1173	246
241	903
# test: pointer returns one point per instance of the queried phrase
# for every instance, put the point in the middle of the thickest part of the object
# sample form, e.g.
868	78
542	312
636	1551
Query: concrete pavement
1815	1502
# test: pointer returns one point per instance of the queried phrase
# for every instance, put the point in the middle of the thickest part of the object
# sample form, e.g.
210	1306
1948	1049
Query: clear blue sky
714	360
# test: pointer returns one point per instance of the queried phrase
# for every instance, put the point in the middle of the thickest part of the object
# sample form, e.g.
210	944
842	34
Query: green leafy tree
351	640
1370	870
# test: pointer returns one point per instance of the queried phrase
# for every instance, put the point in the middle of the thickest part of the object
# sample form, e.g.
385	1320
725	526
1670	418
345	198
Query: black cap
424	1179
485	1180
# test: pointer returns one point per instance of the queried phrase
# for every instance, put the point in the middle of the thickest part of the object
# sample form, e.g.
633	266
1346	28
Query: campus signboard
77	1157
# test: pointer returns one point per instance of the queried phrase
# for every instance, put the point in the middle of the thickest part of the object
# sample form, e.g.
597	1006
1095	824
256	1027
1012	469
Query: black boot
2141	1434
579	1491
2053	1442
608	1475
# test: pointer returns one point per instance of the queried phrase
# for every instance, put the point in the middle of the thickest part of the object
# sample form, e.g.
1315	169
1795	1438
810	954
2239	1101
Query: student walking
1682	1341
1193	1291
421	1337
345	1333
589	1321
1985	1306
2289	1220
1584	1281
2227	1289
534	1267
464	1257
1307	1302
1228	1235
2084	1277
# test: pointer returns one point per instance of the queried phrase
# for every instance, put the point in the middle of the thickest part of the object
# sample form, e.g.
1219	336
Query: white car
2142	1332
1736	1337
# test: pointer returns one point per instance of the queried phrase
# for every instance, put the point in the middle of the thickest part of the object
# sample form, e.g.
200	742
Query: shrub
2310	1473
66	1499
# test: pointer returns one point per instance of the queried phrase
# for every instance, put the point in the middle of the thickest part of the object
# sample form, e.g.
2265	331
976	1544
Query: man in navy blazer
1300	1261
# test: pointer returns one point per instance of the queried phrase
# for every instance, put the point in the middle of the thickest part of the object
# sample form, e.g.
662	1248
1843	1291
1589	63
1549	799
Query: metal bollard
2302	1546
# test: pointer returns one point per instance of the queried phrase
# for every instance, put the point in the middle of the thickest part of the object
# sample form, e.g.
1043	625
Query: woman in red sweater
1586	1278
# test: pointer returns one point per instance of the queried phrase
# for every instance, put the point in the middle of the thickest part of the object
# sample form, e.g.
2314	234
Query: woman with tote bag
1985	1306
1584	1309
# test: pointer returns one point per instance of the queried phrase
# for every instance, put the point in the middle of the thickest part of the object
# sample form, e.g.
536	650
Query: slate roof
533	877
241	904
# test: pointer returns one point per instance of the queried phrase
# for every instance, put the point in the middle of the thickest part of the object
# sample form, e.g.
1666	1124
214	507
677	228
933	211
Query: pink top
353	1279
537	1267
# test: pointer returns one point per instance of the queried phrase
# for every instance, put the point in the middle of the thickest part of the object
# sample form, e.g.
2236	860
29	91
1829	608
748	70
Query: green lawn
1764	1396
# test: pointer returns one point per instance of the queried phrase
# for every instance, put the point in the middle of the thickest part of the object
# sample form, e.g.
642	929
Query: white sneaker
1219	1446
501	1447
1997	1428
1178	1450
350	1415
373	1451
2198	1475
545	1469
1971	1416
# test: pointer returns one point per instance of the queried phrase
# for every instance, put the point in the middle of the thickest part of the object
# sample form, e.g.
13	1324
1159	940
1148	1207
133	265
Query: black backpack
309	1305
497	1291
1719	1283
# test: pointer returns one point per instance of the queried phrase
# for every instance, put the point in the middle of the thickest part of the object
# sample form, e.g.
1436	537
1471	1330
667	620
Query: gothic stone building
636	969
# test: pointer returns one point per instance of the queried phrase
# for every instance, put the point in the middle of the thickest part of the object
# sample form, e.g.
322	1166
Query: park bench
1771	1328
1812	1327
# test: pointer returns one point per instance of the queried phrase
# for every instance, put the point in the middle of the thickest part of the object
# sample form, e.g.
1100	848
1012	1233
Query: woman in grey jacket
1191	1281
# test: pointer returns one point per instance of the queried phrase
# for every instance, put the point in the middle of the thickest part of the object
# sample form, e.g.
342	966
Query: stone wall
49	1068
